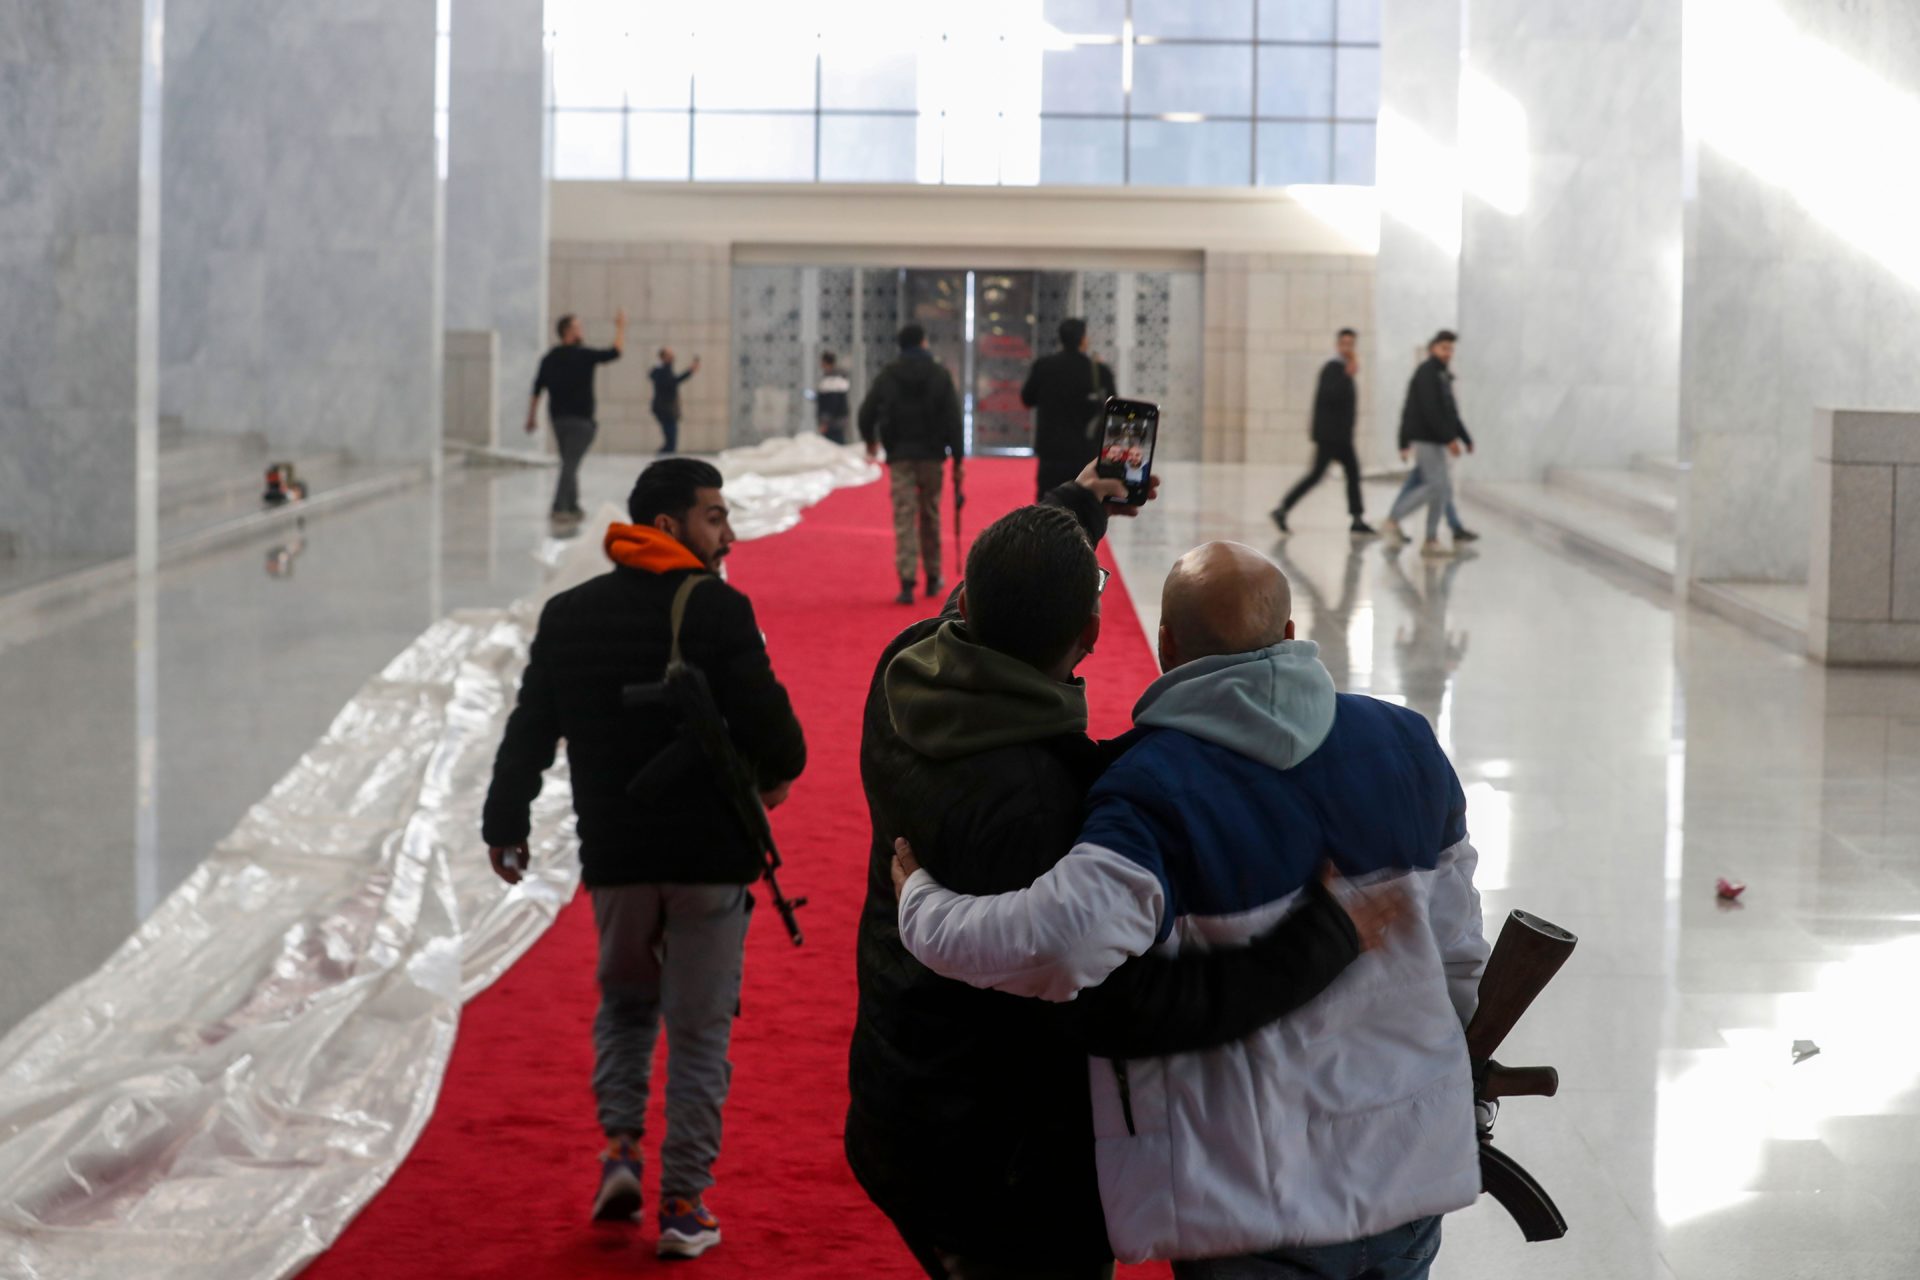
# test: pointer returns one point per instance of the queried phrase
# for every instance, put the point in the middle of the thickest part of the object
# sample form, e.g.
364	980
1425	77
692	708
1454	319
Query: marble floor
1617	757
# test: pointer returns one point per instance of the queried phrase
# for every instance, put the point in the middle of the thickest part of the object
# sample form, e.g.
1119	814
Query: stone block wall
1863	592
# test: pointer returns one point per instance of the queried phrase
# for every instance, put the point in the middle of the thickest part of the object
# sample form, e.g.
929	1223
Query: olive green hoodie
949	697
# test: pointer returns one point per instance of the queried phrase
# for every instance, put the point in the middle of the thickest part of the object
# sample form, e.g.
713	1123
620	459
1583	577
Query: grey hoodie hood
1274	705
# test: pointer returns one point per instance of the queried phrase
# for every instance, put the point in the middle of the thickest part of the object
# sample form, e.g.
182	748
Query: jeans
1404	1253
672	952
1434	492
1413	482
1324	456
573	435
669	420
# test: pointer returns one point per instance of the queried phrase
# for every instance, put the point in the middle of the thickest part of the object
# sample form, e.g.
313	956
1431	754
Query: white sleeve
1453	913
1066	931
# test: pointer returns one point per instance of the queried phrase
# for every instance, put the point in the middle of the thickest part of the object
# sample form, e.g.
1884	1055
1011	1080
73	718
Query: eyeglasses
1102	588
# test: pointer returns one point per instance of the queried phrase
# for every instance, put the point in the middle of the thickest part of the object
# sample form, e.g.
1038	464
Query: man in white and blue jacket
1328	1143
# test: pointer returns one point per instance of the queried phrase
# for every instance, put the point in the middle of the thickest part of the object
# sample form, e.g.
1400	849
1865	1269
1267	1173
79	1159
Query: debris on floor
1728	890
1802	1050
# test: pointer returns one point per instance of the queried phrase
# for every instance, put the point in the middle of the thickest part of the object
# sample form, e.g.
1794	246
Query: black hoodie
913	410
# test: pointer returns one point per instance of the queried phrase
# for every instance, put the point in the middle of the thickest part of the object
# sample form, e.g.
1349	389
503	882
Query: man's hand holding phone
1113	492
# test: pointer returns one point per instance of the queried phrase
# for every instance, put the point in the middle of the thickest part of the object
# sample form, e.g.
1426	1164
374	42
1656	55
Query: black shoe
906	592
1361	529
1465	535
936	587
1279	515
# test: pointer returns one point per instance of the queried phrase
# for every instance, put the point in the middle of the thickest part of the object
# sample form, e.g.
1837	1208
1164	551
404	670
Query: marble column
497	191
1417	277
1802	266
299	287
76	329
1570	151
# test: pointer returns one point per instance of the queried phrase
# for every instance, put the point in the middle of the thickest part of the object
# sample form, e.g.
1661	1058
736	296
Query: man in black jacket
666	397
669	879
1066	389
1431	430
970	1122
1335	402
913	410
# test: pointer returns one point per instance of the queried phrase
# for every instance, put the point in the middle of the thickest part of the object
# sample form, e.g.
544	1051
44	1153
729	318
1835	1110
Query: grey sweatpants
574	436
1435	490
672	952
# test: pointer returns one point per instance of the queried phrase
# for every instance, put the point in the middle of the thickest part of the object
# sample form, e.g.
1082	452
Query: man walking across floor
566	375
668	874
666	398
1330	1143
913	411
1066	391
832	404
1431	430
1335	402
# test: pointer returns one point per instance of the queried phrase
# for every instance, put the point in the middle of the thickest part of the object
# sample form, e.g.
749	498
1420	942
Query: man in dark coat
970	1120
1066	390
668	874
1432	433
1335	403
913	411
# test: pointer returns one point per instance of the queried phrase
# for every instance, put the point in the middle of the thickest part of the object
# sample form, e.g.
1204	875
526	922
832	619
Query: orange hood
642	547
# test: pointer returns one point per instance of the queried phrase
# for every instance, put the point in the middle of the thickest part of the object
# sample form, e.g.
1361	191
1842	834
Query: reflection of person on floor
566	375
1066	391
1428	653
913	410
1335	403
831	403
969	1122
1326	1146
1431	430
1329	623
668	880
666	398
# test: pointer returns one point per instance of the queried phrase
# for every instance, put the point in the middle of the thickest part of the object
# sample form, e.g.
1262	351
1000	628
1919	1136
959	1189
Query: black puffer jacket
1430	415
970	1121
594	641
913	410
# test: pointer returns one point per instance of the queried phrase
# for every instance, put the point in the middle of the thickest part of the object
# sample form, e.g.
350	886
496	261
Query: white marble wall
497	190
1570	142
70	253
1863	589
1802	290
1417	274
301	242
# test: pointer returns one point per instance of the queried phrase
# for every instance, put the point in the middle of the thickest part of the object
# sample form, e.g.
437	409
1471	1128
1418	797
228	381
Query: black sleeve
1090	511
1030	389
680	378
540	376
1154	1005
526	749
1105	375
1461	427
870	411
602	355
1326	396
723	639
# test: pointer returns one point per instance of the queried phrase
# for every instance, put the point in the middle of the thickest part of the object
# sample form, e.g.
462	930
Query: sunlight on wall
1493	144
1419	181
1353	213
1804	117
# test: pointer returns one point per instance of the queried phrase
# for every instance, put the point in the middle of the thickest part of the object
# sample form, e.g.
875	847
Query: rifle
1527	954
705	748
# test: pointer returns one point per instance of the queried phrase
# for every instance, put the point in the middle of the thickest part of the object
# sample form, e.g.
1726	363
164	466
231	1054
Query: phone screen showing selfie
1126	446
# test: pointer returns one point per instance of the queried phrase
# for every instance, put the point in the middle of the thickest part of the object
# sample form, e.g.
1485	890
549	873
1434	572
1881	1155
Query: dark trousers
1324	456
941	1265
669	420
1056	470
574	436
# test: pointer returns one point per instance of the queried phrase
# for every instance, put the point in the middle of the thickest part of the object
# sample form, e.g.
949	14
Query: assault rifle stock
1527	954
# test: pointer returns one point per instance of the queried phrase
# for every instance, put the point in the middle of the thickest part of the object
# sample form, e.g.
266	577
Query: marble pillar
1802	266
76	403
300	259
1417	277
1570	155
497	191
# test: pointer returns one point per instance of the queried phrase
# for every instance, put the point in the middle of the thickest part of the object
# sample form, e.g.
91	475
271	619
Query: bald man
1327	1144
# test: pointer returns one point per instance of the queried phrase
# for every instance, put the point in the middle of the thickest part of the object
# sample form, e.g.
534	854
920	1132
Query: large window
1014	92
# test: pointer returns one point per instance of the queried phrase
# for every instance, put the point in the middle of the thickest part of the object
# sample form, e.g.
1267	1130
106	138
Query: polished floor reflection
1618	759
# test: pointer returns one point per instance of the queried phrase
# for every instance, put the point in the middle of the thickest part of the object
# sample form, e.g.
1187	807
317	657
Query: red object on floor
1728	890
500	1181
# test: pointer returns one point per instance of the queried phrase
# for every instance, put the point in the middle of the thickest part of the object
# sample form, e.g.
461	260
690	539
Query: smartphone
1126	445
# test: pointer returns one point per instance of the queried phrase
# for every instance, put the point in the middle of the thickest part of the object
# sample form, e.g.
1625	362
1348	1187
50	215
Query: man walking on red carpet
669	877
969	1122
913	411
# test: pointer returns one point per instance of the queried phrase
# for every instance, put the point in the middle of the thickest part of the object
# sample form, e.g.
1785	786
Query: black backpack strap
679	614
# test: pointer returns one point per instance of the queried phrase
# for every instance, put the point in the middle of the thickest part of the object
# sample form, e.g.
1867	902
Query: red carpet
499	1183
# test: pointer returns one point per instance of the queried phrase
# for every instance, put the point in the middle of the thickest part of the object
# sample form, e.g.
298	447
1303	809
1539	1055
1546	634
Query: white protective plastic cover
222	1096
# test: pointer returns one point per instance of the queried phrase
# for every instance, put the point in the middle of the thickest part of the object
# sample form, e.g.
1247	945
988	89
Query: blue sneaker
687	1228
619	1198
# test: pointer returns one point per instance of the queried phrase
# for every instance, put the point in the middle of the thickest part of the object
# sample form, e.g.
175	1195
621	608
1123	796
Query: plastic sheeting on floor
223	1095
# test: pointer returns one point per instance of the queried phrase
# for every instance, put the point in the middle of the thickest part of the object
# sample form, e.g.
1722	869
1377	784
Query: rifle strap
687	584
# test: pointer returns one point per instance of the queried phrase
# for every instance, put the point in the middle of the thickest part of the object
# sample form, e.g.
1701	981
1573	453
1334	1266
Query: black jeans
669	420
1056	471
1324	456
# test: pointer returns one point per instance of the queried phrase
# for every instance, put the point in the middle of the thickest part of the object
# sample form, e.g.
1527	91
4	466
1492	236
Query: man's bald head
1222	597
